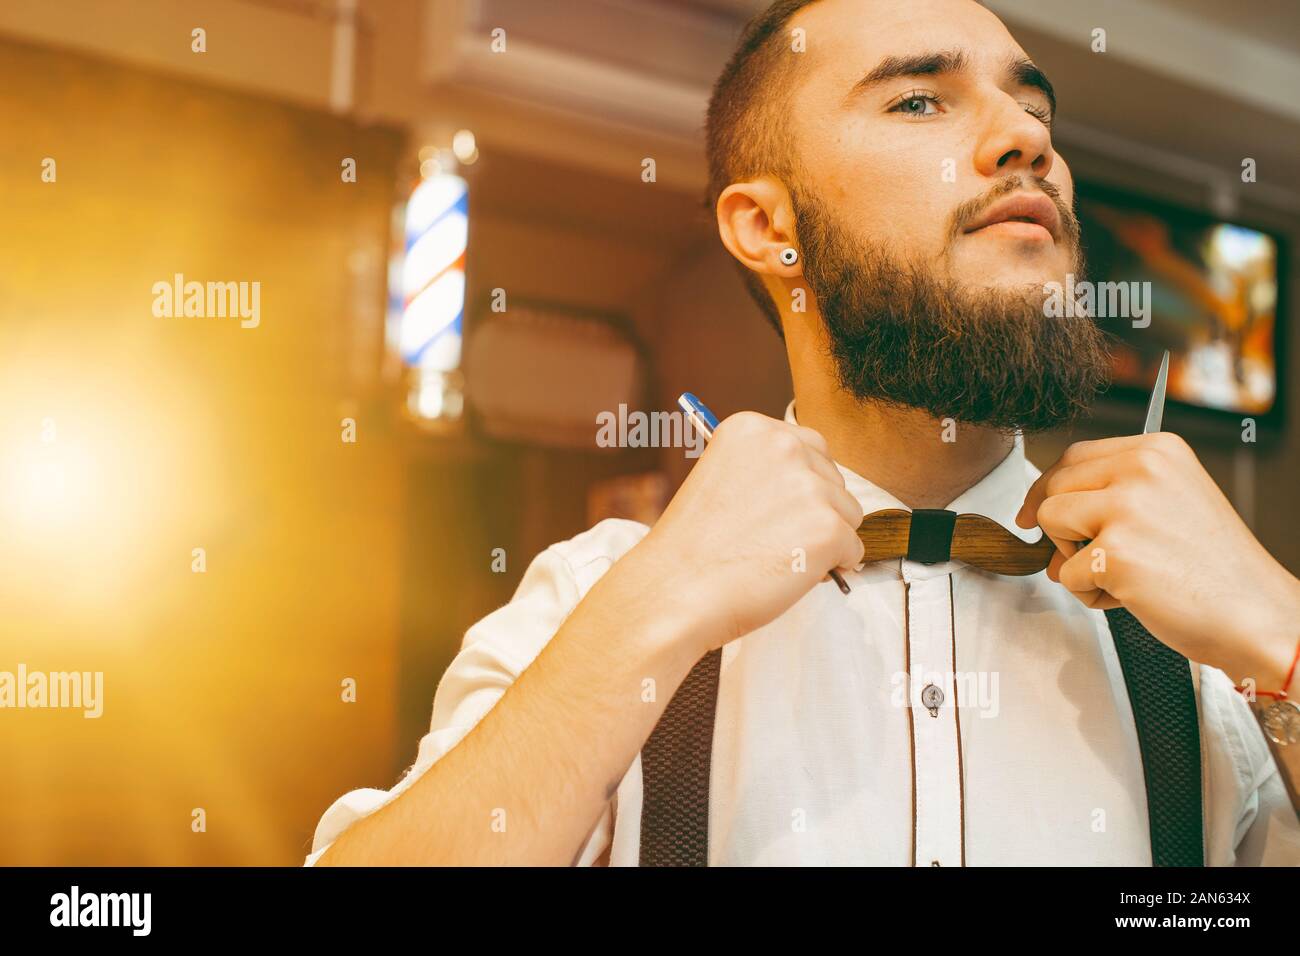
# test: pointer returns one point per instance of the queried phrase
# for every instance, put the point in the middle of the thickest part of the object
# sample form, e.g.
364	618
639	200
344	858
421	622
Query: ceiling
1272	21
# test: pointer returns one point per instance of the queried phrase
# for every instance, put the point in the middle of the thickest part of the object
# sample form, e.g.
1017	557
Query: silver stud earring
789	256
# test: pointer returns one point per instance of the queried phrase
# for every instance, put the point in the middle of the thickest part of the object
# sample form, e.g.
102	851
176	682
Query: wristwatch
1280	721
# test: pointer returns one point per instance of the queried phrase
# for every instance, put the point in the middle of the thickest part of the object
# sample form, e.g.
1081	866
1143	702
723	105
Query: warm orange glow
178	509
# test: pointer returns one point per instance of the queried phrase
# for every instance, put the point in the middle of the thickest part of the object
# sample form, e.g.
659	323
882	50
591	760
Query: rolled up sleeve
495	651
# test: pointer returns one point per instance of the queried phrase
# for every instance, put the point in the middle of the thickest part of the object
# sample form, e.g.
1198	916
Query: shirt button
932	698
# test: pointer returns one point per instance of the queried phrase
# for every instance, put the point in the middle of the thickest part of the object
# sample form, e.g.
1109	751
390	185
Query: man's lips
1023	213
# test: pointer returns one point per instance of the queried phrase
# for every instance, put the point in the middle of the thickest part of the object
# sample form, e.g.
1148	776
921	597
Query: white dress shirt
1027	755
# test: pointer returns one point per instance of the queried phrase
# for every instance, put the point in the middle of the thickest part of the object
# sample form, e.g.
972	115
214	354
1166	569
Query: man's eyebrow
1025	73
918	64
1022	71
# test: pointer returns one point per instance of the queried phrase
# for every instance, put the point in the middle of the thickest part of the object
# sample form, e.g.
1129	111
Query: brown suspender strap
1159	682
675	764
676	760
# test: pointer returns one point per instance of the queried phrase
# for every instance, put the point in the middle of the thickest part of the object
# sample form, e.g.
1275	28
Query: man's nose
1013	141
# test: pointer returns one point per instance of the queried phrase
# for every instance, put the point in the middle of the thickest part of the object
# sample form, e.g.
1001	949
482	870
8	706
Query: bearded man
890	190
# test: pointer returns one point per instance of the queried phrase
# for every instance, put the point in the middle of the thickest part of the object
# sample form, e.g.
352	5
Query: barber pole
433	274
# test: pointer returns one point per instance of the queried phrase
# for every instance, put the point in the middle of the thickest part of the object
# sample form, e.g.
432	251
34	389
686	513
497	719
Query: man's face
931	212
909	117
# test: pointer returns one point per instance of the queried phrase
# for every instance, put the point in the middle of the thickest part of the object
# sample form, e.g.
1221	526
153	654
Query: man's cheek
908	229
1062	179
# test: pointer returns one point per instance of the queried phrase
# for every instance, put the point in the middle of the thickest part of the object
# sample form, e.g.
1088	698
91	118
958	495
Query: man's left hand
1138	523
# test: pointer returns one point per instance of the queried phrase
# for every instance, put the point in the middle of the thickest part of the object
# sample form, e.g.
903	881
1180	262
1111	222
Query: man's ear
756	223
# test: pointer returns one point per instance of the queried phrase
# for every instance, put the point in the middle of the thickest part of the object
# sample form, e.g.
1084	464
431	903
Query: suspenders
676	759
675	764
1159	682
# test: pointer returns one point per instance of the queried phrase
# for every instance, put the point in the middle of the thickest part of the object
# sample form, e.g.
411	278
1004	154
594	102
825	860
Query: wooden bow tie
933	535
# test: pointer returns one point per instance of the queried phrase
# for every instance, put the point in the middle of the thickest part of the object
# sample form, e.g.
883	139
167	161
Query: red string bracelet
1281	694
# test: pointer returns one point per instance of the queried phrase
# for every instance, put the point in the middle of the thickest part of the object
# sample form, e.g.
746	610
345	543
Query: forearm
527	784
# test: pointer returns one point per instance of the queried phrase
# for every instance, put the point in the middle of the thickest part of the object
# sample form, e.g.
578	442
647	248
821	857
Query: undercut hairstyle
745	133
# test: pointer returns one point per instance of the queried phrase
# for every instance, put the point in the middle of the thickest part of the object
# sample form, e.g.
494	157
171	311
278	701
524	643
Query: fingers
819	455
848	508
1091	475
832	492
1096	491
1082	451
1074	516
813	439
1064	551
1078	575
827	482
825	468
823	465
1090	465
854	551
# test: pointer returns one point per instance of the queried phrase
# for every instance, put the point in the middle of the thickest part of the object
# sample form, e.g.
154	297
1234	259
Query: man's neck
902	450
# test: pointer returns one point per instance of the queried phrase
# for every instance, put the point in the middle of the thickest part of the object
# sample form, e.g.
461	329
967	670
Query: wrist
1266	666
1270	633
673	620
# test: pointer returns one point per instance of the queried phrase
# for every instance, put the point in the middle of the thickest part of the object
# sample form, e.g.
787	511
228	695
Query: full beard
902	334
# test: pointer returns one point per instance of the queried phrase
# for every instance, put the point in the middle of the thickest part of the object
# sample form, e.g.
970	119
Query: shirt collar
998	495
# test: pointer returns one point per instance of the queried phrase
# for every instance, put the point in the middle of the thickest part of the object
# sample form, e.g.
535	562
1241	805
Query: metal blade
1156	407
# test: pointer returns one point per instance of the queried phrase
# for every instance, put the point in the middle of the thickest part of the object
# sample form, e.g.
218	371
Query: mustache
972	209
935	535
905	331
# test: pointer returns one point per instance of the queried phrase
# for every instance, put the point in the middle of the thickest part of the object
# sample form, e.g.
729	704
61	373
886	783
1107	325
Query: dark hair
745	132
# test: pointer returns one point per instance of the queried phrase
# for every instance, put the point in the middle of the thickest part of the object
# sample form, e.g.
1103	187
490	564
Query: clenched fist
760	520
1164	542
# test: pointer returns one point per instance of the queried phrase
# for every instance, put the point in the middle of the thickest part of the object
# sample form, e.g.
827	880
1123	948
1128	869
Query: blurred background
474	226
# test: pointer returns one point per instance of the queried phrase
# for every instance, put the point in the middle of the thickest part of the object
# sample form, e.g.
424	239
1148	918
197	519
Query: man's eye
917	104
1042	113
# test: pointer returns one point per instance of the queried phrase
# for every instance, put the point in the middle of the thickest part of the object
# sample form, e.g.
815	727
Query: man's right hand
721	562
760	520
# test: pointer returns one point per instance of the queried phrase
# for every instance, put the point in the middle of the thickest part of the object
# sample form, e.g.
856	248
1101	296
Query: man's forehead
850	36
